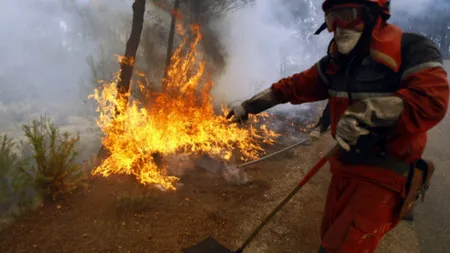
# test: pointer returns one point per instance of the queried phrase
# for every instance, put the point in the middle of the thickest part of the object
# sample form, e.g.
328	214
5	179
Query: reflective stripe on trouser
357	215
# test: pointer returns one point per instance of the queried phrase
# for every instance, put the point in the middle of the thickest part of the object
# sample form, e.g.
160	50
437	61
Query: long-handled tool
210	245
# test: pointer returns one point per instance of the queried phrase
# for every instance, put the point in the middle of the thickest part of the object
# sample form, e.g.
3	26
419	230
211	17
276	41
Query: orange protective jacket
403	64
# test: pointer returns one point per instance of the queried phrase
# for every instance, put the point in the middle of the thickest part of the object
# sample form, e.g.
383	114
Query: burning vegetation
180	119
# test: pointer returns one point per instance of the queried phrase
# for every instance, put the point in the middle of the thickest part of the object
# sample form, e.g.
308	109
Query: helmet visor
346	17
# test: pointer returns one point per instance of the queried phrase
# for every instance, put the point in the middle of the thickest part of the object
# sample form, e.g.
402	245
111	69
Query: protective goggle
347	16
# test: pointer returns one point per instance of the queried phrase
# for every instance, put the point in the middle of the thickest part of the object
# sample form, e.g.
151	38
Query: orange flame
180	119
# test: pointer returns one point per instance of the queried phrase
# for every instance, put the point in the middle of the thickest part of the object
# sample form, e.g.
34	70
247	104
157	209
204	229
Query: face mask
346	39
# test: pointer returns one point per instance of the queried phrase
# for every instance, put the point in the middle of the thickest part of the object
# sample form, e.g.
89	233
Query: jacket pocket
371	74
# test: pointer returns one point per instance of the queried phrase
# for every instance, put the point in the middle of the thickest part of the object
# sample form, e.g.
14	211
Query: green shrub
15	191
8	160
54	170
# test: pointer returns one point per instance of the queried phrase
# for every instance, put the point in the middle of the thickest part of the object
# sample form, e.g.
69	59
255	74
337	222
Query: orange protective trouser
358	213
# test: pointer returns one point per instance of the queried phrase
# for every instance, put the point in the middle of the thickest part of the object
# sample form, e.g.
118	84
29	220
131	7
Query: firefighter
379	81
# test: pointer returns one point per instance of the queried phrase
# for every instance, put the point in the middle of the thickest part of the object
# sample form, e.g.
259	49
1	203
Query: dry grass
133	204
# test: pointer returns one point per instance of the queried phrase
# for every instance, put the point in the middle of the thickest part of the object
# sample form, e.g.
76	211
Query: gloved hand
239	113
315	134
348	132
260	102
373	113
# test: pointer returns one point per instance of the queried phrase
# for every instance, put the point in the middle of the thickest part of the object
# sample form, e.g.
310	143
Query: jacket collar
385	46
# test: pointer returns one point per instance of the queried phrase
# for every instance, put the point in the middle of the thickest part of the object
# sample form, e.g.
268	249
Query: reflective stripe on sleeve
420	67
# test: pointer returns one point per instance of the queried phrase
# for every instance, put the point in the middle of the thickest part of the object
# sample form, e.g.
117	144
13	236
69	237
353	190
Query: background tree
128	61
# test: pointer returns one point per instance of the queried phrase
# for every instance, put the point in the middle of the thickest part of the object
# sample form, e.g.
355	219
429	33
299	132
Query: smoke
46	47
411	7
268	41
425	13
44	55
407	8
265	42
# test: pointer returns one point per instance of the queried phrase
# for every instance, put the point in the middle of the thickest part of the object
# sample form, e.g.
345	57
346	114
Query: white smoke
264	43
410	8
44	52
45	46
405	11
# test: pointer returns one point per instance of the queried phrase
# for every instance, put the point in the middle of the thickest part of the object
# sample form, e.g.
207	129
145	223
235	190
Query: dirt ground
119	215
95	220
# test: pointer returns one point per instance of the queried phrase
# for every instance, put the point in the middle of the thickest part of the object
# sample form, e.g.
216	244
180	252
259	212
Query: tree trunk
128	61
127	64
170	42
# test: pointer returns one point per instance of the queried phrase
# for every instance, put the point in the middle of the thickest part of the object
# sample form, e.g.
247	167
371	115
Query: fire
178	120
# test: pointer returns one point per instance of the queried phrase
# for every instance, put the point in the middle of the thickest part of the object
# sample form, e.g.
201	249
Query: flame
178	120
